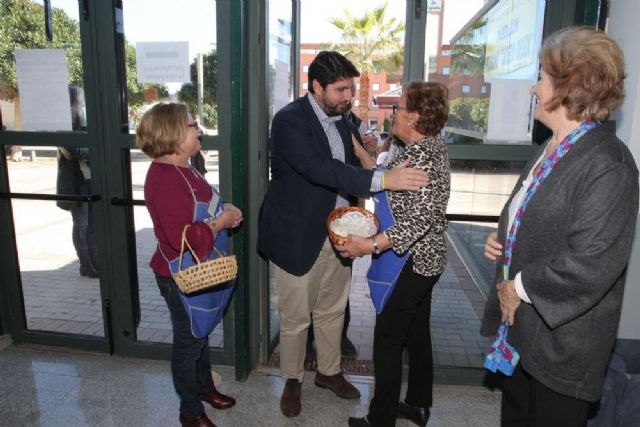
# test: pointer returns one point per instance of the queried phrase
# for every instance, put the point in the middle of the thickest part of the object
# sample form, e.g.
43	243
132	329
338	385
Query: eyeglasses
195	125
395	108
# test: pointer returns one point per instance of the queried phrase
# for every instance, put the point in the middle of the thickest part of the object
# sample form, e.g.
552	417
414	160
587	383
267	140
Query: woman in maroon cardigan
178	196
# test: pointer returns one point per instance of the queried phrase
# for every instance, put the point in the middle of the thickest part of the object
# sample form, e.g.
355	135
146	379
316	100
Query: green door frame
255	98
109	152
118	184
260	343
234	78
11	299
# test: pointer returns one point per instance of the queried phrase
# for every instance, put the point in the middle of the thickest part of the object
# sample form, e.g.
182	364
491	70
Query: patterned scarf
543	172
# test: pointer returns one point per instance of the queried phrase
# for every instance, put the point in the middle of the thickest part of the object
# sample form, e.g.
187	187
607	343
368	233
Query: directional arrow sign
163	62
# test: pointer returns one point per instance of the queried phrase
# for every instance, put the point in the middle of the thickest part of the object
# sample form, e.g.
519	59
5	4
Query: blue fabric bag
385	268
206	309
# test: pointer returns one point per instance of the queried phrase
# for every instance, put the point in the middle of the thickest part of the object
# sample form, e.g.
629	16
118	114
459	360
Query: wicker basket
205	274
337	213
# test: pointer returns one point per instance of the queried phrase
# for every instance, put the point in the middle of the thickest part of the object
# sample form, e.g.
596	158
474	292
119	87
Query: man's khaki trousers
323	291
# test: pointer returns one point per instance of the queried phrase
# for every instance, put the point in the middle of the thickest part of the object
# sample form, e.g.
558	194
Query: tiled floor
43	387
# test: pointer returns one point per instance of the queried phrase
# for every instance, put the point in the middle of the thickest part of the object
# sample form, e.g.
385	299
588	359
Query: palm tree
468	52
371	42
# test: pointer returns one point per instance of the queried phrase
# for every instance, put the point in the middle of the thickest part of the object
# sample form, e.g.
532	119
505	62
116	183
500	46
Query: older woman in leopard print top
419	231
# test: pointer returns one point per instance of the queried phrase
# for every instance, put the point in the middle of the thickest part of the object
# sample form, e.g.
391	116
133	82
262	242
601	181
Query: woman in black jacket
565	236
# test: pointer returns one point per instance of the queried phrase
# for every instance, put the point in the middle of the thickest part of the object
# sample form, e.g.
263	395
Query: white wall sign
509	107
434	5
43	83
512	37
163	62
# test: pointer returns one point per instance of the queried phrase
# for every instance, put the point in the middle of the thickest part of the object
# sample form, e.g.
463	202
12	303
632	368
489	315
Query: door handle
53	197
85	10
121	201
472	218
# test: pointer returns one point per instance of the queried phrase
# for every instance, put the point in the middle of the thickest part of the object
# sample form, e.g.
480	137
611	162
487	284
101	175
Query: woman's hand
356	247
492	248
402	177
370	144
234	215
509	300
231	217
365	158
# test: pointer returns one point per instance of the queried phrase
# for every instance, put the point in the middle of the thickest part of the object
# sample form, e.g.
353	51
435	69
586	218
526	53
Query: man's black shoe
290	404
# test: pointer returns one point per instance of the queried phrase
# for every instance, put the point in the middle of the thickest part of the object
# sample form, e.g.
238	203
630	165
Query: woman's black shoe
347	348
88	270
359	422
414	414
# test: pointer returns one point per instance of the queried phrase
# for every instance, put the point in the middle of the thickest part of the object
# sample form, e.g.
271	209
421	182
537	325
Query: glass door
54	277
489	134
281	74
160	61
370	35
76	236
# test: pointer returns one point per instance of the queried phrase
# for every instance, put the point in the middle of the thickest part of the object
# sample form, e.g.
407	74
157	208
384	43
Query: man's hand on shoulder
402	177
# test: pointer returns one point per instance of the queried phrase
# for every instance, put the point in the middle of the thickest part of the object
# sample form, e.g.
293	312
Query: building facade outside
380	83
386	89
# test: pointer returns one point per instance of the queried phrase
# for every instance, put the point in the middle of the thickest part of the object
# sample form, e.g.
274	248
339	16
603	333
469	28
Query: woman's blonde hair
162	129
586	67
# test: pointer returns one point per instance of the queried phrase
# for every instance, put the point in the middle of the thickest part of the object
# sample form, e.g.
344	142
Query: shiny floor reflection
42	387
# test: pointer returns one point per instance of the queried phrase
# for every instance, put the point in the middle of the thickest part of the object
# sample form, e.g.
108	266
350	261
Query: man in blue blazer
313	171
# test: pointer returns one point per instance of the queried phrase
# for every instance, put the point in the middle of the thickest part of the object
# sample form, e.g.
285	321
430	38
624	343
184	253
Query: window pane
280	94
35	69
280	72
376	50
489	62
481	187
163	58
478	187
56	242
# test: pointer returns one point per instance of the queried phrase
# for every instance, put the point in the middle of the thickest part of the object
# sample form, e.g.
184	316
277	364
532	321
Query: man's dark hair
329	67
